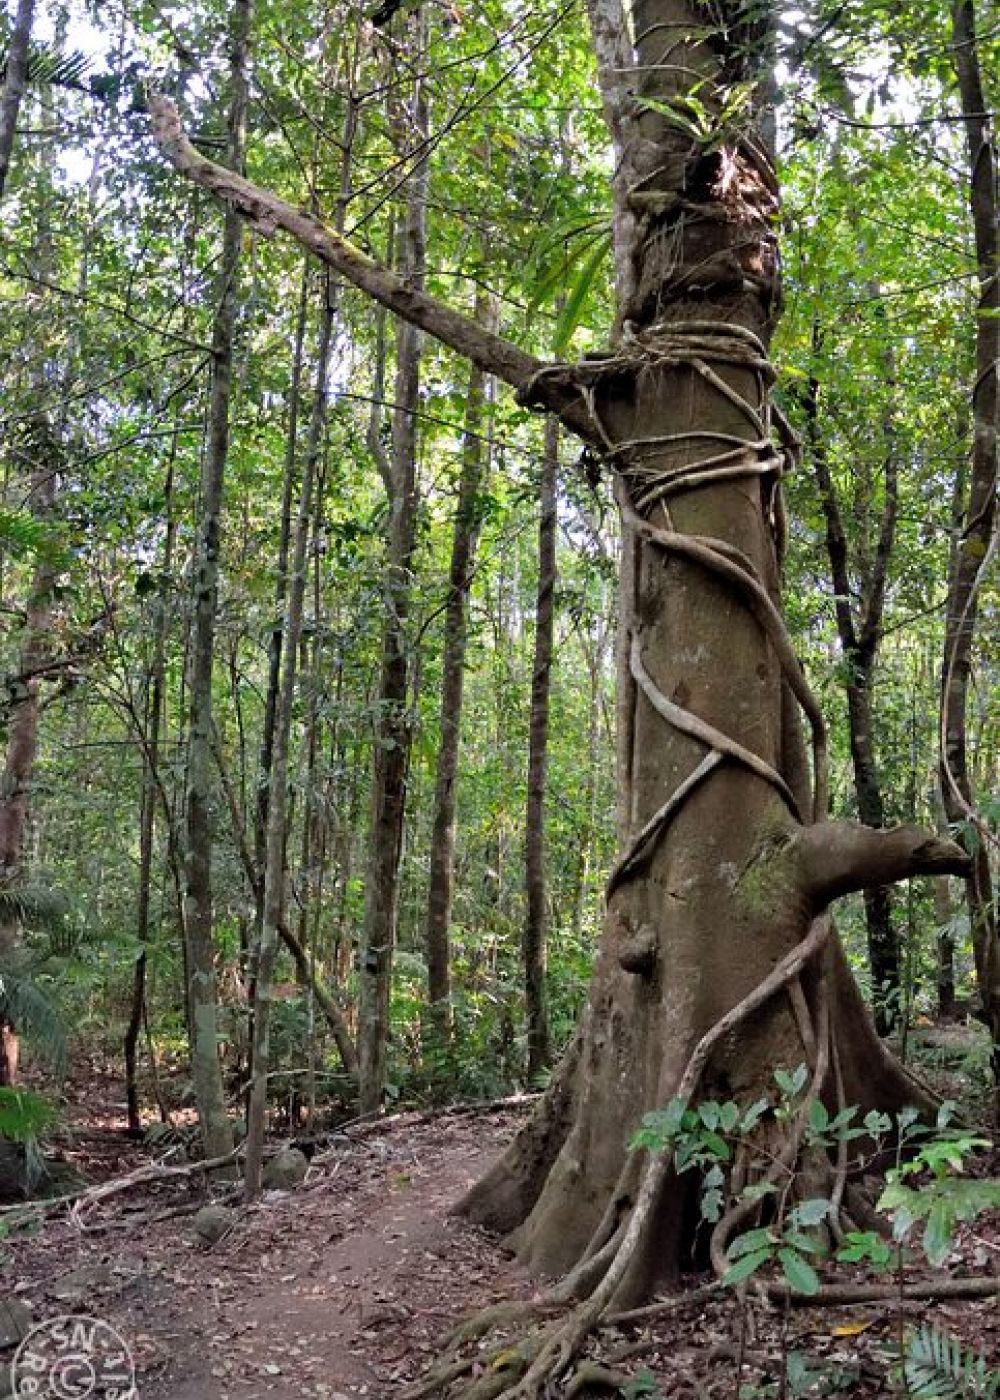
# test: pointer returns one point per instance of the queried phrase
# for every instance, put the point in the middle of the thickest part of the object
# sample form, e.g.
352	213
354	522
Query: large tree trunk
15	82
978	538
724	871
198	923
23	705
716	933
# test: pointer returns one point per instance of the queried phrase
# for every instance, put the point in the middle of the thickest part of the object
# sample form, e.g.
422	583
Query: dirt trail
342	1288
329	1329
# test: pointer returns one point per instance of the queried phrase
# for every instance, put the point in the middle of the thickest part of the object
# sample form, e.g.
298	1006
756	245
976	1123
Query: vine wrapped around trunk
718	961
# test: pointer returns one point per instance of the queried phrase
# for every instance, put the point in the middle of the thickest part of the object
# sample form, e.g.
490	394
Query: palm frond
937	1368
23	1115
68	70
33	907
33	1014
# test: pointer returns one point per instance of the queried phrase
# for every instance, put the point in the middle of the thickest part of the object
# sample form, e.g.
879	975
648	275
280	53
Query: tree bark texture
15	83
393	723
198	907
465	537
719	898
23	706
977	541
534	933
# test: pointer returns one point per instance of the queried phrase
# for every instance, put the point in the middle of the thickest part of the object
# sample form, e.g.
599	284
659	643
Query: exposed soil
347	1286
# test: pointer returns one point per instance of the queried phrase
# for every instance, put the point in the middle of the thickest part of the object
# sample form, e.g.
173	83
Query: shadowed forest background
308	631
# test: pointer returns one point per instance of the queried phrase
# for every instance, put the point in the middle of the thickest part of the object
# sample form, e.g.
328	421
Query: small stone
286	1170
80	1284
212	1222
15	1322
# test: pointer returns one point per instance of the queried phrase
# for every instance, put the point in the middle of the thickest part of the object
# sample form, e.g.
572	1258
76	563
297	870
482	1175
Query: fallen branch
88	1196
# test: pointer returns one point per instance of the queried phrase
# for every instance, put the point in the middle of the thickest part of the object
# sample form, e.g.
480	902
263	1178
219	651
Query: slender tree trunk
859	642
277	810
147	814
393	726
280	590
978	535
24	707
15	83
465	535
202	989
534	935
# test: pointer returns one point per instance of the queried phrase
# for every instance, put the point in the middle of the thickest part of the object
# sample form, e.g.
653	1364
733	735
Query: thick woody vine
644	491
833	858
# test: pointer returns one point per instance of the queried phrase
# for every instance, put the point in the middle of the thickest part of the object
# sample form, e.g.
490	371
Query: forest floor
345	1287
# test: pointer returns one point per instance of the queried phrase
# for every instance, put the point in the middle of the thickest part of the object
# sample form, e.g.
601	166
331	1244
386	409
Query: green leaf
811	1212
23	1115
745	1266
753	1115
807	1243
819	1117
751	1240
939	1232
801	1276
729	1116
569	316
791	1084
709	1113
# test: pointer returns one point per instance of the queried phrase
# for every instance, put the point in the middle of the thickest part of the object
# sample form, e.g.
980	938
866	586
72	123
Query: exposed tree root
497	1317
593	1373
929	1290
525	1370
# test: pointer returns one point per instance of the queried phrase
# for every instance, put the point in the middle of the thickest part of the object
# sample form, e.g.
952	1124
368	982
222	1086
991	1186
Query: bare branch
837	857
268	212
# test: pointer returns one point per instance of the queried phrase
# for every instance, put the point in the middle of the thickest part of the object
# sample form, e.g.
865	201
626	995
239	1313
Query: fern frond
34	1015
936	1368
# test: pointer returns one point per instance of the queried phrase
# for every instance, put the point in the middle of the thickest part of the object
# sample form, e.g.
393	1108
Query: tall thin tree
393	724
534	933
977	541
465	534
198	905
